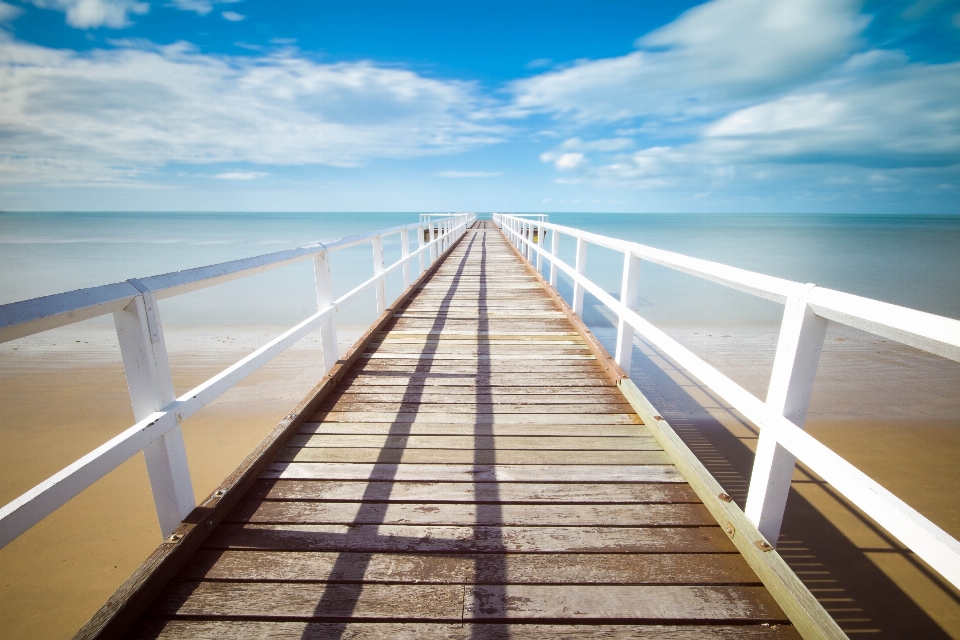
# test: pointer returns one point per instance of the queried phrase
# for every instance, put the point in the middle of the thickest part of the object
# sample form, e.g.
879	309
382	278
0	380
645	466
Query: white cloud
232	16
604	144
719	53
8	12
124	113
468	174
896	115
241	175
563	161
750	92
201	7
87	14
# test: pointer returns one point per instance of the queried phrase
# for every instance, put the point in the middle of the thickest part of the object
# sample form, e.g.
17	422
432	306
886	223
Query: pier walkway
474	471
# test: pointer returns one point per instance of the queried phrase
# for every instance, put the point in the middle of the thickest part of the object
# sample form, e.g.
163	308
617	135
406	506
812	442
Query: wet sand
890	410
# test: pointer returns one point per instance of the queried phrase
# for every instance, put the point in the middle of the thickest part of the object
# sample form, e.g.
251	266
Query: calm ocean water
911	260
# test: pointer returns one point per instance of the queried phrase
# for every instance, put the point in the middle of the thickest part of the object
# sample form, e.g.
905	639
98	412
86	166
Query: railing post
328	329
145	363
433	246
554	250
528	236
629	291
404	252
377	270
581	268
540	243
791	384
423	254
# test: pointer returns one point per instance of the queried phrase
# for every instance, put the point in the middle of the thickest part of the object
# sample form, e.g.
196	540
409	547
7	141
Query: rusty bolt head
763	545
724	498
176	537
731	531
658	417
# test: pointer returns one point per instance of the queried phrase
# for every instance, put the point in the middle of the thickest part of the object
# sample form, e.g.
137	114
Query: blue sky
728	105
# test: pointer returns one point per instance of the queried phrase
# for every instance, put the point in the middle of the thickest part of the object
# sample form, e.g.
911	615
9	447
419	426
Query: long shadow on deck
860	597
350	568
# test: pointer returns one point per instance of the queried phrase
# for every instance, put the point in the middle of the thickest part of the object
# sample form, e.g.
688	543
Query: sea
909	260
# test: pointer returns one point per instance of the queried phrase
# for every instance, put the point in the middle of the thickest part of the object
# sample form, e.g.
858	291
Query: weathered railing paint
807	310
143	351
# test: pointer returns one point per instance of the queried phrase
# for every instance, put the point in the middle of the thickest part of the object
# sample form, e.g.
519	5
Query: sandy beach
890	410
60	399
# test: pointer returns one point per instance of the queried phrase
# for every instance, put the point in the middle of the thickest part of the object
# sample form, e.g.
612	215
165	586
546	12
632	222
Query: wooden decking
475	474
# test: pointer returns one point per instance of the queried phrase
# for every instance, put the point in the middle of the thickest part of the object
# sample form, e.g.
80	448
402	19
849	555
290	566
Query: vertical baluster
328	329
147	368
791	384
581	268
404	252
629	291
554	251
433	245
377	270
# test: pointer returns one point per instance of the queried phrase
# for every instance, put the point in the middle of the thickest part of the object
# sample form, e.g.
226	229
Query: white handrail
781	417
140	333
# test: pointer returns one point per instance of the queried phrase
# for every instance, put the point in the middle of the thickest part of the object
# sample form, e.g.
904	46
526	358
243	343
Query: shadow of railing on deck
851	587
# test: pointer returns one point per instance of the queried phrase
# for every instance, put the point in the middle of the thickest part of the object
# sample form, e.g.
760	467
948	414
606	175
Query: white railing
807	310
157	410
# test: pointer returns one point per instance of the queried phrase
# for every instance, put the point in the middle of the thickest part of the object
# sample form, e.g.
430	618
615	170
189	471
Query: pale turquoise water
912	260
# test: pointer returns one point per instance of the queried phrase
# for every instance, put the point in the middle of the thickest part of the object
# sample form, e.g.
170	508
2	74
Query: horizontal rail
21	319
781	417
27	510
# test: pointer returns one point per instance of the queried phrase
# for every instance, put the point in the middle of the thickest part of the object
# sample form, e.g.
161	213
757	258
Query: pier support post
433	247
404	252
147	368
328	329
791	384
381	287
581	268
629	290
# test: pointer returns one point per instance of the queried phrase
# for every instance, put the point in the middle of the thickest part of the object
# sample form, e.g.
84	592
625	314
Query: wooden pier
470	469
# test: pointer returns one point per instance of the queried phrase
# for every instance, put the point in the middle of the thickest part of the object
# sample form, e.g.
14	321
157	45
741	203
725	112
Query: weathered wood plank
430	428
477	408
468	456
469	492
362	386
536	443
241	630
514	568
447	602
515	515
473	473
475	419
589	401
646	602
449	539
317	601
519	382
